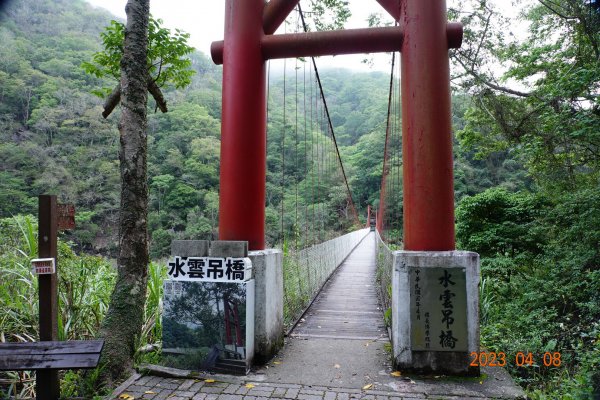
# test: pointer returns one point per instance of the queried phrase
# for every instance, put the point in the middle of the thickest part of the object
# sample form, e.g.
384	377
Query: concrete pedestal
435	311
267	268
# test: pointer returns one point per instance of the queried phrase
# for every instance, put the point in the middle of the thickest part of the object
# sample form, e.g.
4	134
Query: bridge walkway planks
348	306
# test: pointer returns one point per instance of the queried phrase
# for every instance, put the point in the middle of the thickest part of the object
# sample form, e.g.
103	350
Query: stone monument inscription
438	308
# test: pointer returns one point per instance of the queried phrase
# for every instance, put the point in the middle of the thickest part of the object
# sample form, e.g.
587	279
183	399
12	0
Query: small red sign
43	266
66	216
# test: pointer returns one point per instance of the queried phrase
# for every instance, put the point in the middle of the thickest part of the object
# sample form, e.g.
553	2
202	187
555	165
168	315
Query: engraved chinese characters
438	309
210	269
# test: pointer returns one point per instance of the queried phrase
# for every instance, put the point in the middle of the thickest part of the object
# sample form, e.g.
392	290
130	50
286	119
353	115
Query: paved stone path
228	388
339	352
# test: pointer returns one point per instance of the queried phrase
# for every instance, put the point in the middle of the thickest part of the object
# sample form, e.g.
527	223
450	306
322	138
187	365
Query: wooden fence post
47	382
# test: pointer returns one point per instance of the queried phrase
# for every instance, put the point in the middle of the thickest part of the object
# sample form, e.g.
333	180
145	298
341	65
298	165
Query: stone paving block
155	380
282	385
199	396
231	388
186	384
343	396
136	388
196	386
323	388
279	392
163	395
211	396
212	389
368	397
167	385
291	393
242	390
230	397
143	380
313	392
261	391
347	390
378	392
309	397
330	395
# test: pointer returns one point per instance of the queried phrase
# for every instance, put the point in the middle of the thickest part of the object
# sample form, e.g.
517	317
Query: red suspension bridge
339	291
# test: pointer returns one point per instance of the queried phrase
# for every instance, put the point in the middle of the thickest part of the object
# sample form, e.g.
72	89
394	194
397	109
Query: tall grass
84	289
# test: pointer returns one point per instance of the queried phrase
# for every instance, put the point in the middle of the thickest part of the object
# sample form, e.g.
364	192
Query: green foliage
84	288
329	14
167	63
541	258
497	222
553	125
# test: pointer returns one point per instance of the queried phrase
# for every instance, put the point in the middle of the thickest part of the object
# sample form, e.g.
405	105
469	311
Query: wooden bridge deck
348	306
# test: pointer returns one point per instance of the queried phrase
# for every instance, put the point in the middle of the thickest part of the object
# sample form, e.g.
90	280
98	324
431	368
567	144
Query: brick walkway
231	388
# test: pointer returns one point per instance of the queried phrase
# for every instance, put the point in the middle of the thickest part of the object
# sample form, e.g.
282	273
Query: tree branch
545	4
114	98
112	101
490	84
157	94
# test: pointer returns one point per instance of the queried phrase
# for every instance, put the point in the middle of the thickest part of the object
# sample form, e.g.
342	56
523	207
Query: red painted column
243	129
426	127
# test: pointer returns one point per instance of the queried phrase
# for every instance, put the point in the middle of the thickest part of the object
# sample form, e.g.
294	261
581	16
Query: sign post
47	382
51	217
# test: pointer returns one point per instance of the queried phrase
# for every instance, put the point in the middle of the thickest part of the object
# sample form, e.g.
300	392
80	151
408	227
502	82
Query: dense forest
527	166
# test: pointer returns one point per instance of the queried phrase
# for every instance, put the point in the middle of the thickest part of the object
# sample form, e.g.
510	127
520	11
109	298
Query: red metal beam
392	7
243	127
275	13
426	128
349	41
327	43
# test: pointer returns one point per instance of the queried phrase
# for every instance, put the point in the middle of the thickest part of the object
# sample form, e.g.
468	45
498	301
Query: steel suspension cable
283	158
329	120
382	193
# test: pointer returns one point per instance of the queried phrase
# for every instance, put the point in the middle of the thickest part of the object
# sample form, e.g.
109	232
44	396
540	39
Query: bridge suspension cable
310	209
389	213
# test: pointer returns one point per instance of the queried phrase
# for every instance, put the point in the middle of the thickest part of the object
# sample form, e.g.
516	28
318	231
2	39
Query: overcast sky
203	20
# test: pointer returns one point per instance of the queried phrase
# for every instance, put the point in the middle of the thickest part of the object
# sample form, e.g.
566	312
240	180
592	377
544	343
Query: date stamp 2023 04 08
522	359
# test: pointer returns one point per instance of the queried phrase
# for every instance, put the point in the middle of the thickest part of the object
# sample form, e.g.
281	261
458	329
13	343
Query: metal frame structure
423	36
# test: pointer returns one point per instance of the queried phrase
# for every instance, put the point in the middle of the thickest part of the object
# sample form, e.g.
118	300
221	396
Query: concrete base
267	268
412	357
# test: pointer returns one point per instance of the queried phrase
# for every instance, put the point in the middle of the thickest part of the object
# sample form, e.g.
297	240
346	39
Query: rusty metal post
426	127
243	128
47	382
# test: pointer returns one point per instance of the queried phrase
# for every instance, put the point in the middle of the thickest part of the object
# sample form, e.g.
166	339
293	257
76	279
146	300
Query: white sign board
210	269
43	266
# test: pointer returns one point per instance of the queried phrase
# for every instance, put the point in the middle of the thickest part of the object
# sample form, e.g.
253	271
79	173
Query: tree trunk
122	325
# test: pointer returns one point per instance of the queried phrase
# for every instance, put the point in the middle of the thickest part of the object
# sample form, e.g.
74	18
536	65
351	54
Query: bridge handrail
384	274
307	270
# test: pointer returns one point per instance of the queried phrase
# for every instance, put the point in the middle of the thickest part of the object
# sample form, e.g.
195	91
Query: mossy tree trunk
122	325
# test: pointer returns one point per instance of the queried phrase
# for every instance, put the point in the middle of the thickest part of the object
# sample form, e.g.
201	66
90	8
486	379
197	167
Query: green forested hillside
54	140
